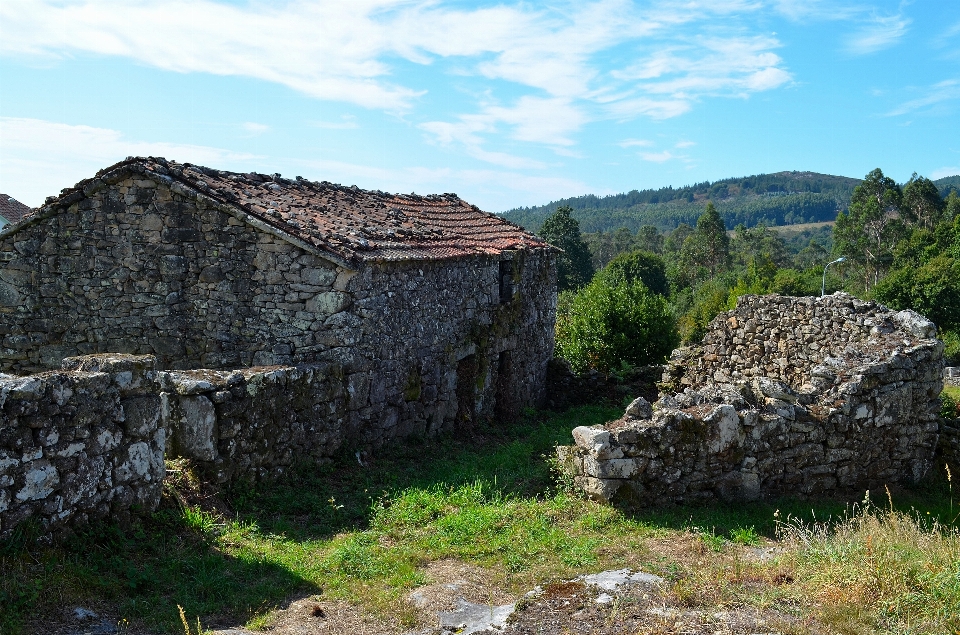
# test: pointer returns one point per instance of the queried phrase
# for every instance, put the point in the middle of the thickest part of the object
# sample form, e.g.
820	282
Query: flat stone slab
472	618
613	580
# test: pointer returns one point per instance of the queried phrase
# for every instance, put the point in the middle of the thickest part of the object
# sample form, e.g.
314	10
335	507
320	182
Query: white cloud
344	50
878	33
659	157
940	173
39	158
817	9
255	128
653	108
630	143
711	66
361	52
328	50
944	91
546	121
685	144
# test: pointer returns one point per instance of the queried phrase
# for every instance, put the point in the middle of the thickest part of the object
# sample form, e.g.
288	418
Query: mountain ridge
779	198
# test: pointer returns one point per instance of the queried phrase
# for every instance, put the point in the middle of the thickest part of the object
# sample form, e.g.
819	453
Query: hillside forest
630	293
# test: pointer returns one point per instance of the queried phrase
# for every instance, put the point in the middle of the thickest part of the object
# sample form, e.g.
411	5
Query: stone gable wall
137	267
786	396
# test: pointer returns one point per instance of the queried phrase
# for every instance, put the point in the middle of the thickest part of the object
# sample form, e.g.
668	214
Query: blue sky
506	104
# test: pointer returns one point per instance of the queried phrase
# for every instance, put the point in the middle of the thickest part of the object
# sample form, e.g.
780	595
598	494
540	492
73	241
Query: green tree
650	239
813	255
756	244
673	243
574	268
607	324
706	252
868	231
932	290
952	206
644	266
921	203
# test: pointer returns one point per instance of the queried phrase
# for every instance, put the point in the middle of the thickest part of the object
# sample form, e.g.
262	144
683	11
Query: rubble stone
785	396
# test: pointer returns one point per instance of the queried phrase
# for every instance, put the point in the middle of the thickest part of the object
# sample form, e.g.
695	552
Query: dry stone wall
785	396
80	444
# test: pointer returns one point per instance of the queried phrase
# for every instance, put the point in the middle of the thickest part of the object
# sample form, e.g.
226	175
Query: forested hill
784	198
948	183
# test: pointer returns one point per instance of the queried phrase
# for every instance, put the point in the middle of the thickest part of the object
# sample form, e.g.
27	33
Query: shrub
949	408
709	300
951	347
639	265
608	323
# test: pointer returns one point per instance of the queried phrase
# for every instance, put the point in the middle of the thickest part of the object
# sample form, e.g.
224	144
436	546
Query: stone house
427	309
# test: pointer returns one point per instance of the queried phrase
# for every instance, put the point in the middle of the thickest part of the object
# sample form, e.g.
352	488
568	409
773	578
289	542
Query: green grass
365	533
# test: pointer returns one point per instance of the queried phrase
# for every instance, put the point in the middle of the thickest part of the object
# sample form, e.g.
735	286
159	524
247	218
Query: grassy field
366	533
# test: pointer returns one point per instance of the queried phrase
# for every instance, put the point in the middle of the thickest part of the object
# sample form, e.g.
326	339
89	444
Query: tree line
627	297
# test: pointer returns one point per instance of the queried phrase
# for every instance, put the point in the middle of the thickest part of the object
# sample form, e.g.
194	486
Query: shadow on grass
141	573
513	461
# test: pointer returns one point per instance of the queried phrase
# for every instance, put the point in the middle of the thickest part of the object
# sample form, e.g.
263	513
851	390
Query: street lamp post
823	284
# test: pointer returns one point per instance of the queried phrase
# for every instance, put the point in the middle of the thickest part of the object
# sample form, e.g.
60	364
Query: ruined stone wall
80	445
786	396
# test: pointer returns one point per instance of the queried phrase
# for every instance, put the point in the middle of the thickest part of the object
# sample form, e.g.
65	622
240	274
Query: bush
709	300
609	323
932	290
949	408
644	266
951	347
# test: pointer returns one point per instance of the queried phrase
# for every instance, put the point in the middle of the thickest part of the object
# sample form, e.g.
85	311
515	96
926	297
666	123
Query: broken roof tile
347	222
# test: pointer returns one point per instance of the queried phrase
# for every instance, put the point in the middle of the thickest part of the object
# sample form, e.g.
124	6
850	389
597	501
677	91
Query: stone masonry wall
785	396
145	267
80	445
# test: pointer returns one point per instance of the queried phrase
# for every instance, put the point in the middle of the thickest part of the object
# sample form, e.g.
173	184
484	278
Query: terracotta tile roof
12	209
348	223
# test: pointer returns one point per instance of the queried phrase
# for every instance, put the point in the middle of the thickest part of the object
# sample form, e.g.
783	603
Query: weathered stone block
192	422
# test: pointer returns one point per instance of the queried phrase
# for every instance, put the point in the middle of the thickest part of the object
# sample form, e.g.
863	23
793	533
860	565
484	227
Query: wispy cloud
348	50
878	33
630	143
38	158
658	157
933	98
687	71
255	128
685	144
817	9
940	173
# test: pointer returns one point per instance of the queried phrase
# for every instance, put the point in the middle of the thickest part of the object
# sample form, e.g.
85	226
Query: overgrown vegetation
364	534
901	246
